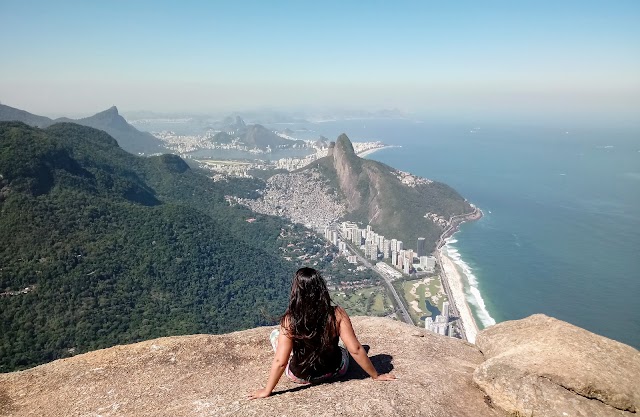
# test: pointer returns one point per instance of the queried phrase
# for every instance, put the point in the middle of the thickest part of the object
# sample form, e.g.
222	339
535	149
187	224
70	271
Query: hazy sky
494	57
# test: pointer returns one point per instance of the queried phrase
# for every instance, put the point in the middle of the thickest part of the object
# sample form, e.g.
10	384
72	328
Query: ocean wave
472	292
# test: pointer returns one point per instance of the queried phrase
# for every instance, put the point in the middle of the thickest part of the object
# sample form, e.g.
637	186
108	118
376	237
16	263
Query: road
403	311
452	303
454	221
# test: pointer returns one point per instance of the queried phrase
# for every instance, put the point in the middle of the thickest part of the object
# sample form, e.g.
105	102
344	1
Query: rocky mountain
252	136
101	247
128	137
561	371
233	124
393	202
8	113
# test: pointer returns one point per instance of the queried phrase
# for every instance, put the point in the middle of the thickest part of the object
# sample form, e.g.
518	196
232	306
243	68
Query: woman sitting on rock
311	328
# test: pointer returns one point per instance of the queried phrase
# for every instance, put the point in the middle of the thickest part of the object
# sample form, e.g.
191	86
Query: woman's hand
385	377
261	393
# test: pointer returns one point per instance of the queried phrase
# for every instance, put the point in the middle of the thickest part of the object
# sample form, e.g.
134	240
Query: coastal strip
370	151
455	285
451	279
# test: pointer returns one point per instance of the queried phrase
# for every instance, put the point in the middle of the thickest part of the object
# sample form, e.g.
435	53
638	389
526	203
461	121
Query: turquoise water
561	231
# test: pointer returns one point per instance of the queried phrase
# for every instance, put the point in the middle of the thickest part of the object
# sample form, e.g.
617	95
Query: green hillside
115	248
375	195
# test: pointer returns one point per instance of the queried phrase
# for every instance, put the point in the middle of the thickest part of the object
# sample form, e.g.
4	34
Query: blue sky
491	57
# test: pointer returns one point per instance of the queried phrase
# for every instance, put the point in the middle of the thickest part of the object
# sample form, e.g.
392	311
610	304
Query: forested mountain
100	247
393	202
128	137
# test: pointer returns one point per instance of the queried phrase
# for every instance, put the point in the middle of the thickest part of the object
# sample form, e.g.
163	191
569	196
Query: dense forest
100	247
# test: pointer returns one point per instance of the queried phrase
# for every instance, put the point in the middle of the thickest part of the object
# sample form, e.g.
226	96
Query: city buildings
428	263
439	325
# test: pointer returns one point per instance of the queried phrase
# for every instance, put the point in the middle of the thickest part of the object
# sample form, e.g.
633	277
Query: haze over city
574	59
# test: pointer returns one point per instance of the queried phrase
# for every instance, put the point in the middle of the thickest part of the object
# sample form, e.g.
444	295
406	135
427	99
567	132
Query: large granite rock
206	375
538	366
541	366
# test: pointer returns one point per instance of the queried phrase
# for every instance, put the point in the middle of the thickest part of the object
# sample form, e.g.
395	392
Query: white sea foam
472	292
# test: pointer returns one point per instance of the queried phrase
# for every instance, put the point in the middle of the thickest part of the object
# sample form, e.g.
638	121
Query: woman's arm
279	364
354	347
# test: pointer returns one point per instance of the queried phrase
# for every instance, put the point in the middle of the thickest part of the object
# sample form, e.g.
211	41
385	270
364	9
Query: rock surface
205	375
348	169
545	367
537	366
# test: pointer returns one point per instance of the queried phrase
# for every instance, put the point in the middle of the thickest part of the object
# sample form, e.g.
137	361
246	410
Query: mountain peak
111	111
232	123
344	144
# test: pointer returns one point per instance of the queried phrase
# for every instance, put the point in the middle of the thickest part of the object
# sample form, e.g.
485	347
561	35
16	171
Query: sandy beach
370	151
456	286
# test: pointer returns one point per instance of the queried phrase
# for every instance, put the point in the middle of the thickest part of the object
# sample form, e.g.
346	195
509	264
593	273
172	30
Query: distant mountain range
128	137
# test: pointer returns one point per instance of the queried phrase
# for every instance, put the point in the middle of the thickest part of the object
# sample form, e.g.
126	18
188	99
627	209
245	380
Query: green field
433	288
372	301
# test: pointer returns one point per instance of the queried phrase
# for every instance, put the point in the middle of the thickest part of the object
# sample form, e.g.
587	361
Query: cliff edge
207	375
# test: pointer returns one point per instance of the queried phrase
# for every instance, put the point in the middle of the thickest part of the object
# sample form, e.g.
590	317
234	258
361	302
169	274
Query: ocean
561	228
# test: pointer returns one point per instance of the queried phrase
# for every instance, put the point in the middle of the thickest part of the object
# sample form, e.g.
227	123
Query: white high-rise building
356	236
386	249
394	245
439	325
371	251
399	246
445	310
408	254
428	324
428	263
406	266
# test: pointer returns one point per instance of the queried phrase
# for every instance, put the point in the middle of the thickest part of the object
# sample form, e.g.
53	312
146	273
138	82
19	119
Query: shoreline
456	289
370	151
452	280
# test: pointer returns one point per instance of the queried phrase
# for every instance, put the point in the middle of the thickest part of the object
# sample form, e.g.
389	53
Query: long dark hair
310	319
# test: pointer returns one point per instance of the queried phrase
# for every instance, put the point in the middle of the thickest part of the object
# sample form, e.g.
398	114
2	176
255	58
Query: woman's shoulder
285	321
340	313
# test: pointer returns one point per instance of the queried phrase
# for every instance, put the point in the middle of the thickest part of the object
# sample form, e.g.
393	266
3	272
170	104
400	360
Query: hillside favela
333	209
